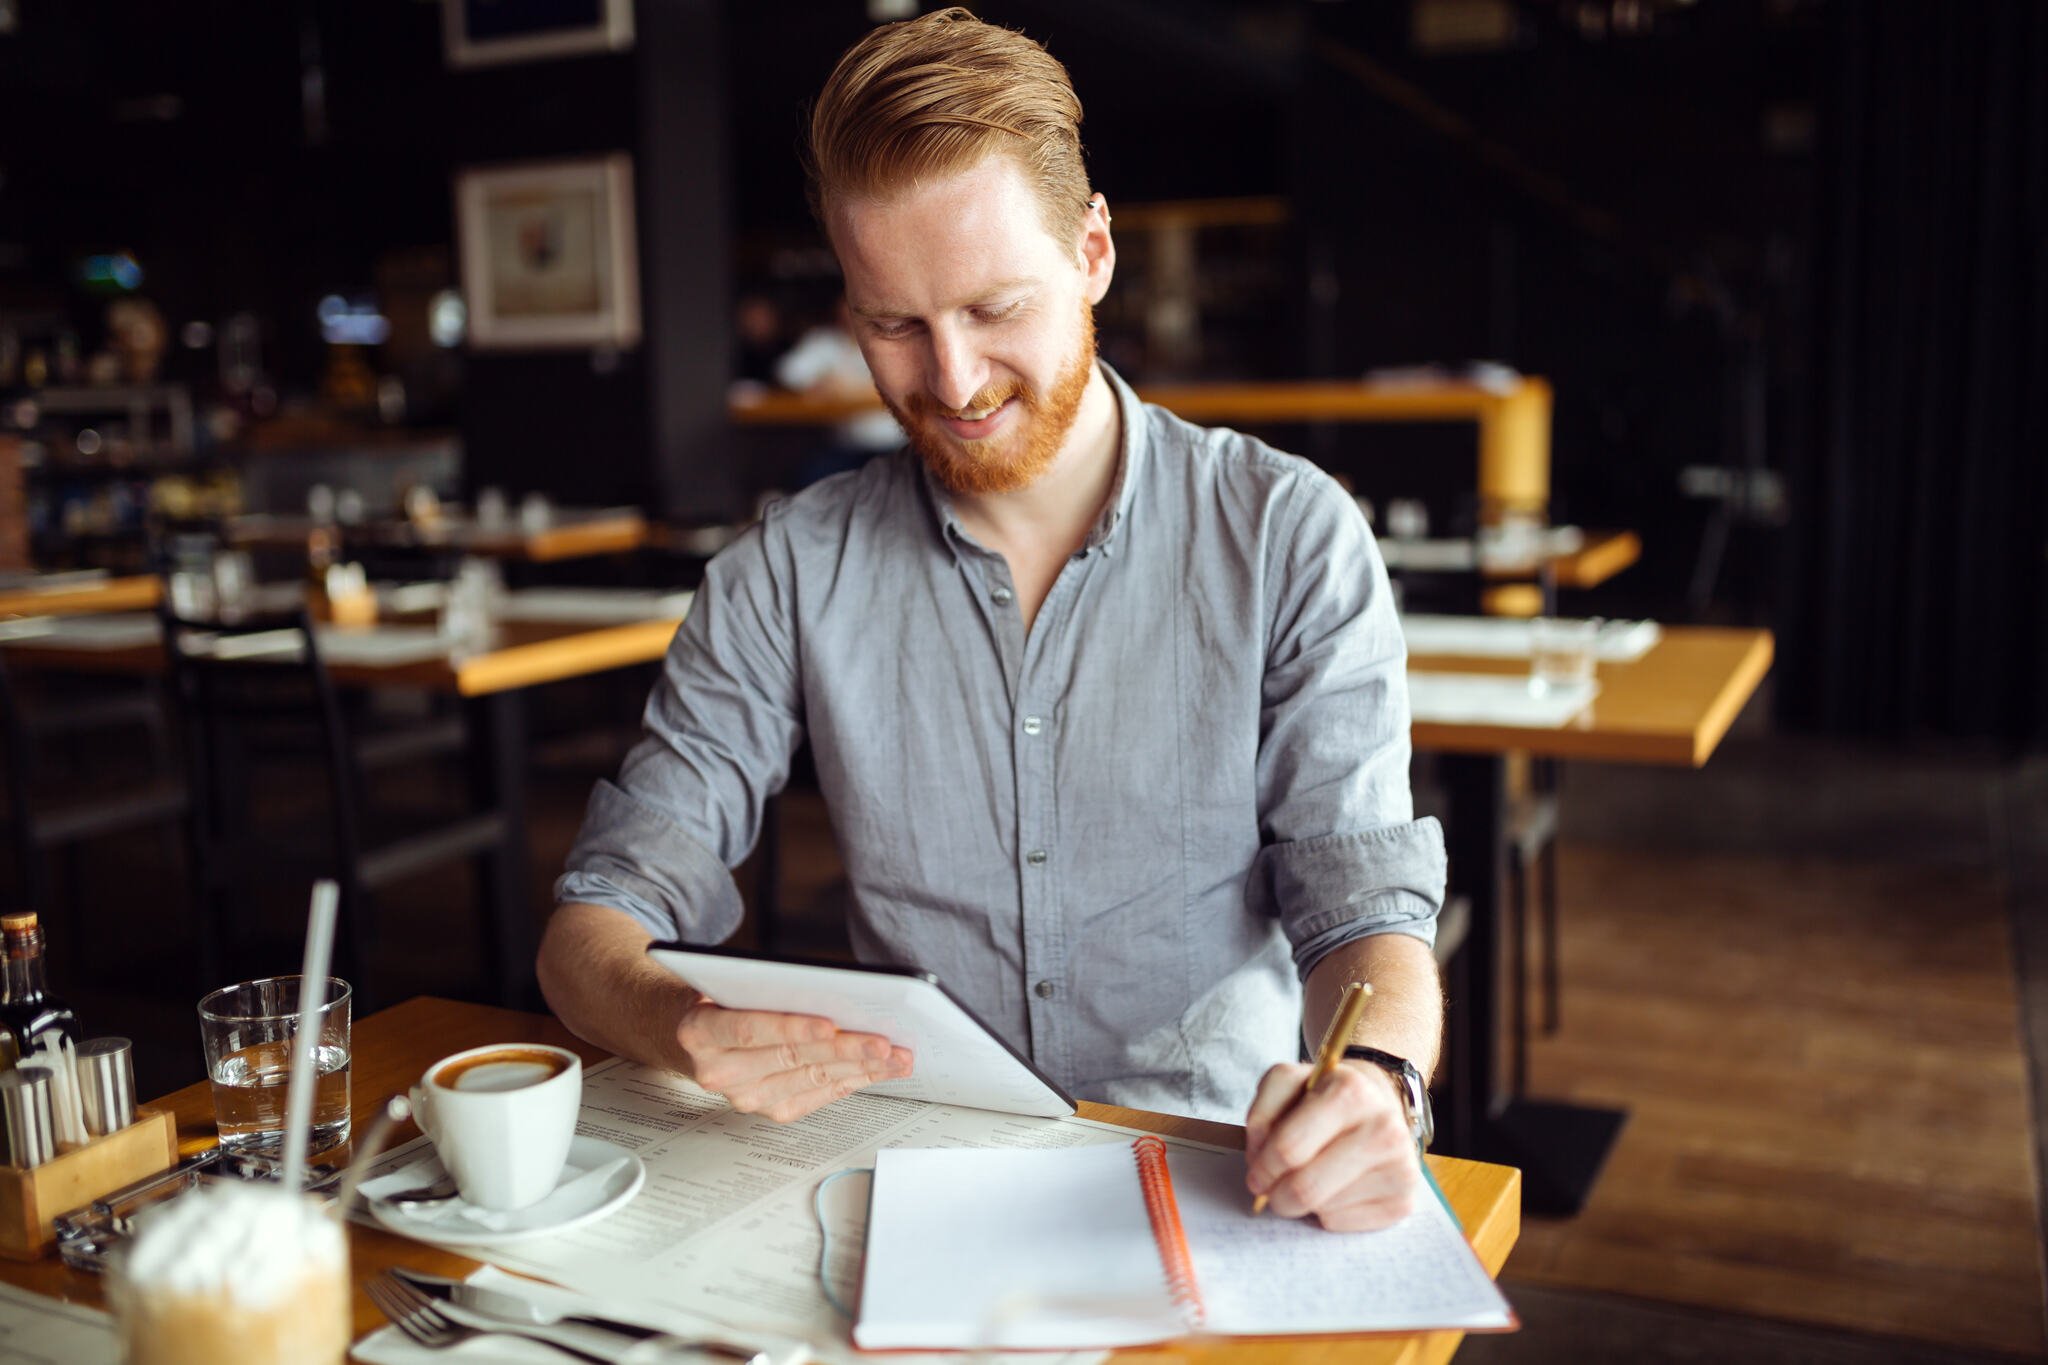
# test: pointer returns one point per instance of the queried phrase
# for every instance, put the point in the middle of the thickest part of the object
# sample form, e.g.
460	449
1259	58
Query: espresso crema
505	1068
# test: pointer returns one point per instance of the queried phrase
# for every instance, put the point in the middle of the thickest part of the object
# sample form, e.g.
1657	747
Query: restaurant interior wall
1627	215
1922	573
1631	216
273	154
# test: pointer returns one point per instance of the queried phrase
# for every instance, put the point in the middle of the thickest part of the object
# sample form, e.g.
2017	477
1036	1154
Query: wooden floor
1829	1118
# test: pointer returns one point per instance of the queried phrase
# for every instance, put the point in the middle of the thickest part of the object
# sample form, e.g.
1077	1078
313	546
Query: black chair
266	677
115	785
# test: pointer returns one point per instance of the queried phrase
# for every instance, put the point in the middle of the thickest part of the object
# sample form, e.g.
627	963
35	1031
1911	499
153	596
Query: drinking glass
246	1031
1407	519
234	580
1562	652
471	605
492	509
191	593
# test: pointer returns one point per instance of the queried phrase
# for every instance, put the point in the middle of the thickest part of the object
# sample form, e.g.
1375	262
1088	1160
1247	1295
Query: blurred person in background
826	362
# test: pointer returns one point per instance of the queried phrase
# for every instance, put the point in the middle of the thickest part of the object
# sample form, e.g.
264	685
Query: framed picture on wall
485	32
548	256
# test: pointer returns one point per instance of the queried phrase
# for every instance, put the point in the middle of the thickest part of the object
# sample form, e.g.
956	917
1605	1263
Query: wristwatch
1414	1093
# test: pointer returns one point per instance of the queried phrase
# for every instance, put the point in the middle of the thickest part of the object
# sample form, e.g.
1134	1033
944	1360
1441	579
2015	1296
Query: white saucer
551	1214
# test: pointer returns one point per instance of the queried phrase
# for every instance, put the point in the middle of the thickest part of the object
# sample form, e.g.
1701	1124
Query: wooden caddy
76	1176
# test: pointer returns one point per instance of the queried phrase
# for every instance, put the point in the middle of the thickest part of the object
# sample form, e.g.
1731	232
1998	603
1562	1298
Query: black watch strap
1408	1080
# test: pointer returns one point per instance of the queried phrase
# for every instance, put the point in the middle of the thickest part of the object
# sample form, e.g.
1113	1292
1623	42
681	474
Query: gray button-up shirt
1122	837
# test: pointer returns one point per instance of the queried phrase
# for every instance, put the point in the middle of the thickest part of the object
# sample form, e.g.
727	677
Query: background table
493	681
392	1049
1672	706
566	533
1513	419
68	593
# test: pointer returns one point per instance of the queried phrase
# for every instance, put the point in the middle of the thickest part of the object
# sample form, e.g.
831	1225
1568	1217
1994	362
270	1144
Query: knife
508	1307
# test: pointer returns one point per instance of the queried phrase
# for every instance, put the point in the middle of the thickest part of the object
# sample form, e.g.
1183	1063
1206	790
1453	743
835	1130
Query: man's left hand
1343	1153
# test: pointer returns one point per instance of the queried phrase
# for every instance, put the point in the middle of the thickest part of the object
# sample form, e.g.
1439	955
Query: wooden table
493	681
1605	554
1599	556
1513	421
567	533
1670	707
65	594
392	1048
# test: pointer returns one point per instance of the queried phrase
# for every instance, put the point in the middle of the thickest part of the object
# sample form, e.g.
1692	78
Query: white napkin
1507	637
577	1190
380	645
602	606
1494	699
388	1346
110	630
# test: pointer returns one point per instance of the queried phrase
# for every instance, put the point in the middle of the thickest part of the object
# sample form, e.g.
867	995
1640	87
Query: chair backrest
54	804
229	673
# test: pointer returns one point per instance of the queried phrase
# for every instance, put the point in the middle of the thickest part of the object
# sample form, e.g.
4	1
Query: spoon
392	1112
425	1196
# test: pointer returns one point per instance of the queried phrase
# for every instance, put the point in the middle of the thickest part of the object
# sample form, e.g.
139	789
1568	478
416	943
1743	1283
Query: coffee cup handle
423	1113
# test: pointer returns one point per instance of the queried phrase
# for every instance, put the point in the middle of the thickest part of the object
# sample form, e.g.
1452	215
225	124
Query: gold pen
1336	1038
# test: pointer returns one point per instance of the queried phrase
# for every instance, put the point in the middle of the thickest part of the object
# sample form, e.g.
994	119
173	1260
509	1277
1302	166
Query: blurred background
1781	264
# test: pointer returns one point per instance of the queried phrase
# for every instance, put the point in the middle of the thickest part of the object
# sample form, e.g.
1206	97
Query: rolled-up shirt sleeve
1341	854
720	729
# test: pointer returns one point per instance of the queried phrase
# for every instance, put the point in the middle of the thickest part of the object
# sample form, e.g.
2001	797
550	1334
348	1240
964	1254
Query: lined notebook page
1281	1275
1055	1248
1016	1248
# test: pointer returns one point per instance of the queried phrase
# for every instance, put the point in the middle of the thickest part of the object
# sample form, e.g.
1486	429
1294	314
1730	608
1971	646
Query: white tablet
958	1059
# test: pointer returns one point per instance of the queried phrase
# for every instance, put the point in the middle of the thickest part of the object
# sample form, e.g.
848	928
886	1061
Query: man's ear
1097	249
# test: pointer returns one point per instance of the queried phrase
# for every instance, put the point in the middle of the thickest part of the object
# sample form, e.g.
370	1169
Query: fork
420	1316
415	1315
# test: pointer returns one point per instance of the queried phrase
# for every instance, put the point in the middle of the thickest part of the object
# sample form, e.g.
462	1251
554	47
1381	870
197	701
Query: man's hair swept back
930	97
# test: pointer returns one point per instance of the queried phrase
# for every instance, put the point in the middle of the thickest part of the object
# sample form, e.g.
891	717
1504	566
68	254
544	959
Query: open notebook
1117	1244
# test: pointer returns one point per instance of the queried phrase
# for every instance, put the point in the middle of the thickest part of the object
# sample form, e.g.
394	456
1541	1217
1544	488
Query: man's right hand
783	1066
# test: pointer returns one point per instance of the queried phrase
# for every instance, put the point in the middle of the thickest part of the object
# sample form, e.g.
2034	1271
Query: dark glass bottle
27	1009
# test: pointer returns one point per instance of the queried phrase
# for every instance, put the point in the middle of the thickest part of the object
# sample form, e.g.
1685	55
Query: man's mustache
985	400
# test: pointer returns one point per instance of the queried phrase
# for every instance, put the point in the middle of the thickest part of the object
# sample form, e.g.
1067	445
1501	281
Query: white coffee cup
501	1118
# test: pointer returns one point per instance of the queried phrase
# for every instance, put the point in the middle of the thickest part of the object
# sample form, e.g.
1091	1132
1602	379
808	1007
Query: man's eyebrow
1021	284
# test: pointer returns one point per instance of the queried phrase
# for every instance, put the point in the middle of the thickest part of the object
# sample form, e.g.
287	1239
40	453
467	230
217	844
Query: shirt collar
1130	455
1132	449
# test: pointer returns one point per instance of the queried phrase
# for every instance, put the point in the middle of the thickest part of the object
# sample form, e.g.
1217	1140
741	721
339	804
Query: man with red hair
1110	711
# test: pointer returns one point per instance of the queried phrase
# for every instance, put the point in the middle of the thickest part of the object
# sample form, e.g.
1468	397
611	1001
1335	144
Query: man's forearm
597	978
1405	1014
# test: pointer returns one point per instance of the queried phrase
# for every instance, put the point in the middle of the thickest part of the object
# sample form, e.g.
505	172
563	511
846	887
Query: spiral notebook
1121	1244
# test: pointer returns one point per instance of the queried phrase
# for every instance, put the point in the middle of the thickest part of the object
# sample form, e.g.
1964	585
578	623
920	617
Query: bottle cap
27	1119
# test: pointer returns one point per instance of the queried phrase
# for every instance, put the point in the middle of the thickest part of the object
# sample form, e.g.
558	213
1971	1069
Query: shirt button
1032	725
1001	595
1045	990
1036	857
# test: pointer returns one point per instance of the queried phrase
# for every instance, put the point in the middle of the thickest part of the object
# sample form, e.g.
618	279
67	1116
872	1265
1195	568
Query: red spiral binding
1164	1209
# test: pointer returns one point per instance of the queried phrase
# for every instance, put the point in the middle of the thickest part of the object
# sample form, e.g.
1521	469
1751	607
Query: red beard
1017	458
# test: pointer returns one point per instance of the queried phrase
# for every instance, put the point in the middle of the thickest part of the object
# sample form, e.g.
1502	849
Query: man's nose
957	369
